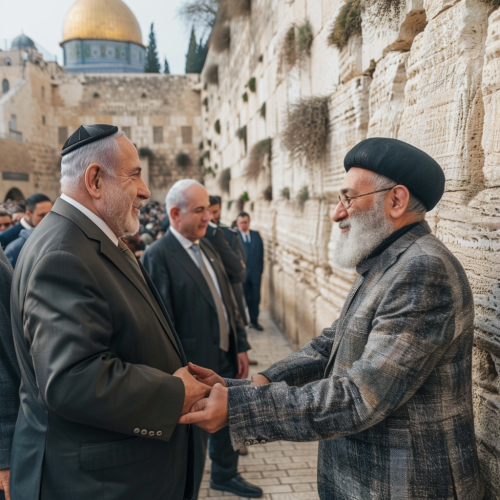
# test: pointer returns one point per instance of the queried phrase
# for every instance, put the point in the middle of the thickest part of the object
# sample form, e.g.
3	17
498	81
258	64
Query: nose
143	192
339	213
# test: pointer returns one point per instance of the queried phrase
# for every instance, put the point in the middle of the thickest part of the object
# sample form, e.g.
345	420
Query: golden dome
101	20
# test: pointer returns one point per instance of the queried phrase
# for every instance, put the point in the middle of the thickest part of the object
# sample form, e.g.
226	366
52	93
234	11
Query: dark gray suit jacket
189	301
9	370
387	388
99	406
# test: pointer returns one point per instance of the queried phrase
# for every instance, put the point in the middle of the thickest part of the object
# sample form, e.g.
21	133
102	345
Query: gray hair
415	206
176	197
74	164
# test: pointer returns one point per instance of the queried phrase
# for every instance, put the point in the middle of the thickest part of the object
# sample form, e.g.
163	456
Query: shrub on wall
206	155
268	193
220	39
347	24
495	3
208	170
288	51
212	75
205	103
145	152
256	159
245	97
183	160
263	110
252	84
217	126
303	196
307	129
225	180
235	8
285	193
304	39
241	133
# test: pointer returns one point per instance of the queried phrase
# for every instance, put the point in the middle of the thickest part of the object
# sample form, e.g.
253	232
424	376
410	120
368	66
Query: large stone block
387	95
444	109
434	7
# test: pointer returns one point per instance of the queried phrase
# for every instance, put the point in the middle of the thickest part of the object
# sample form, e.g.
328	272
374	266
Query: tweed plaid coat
386	389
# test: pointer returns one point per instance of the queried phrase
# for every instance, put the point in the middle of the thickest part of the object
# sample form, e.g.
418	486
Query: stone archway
14	194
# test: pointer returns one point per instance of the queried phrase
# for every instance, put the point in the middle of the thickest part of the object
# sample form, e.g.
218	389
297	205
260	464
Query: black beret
402	163
87	134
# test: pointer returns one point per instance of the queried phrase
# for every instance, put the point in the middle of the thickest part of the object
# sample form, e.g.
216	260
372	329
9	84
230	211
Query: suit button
256	441
137	430
144	432
159	433
263	441
151	433
248	443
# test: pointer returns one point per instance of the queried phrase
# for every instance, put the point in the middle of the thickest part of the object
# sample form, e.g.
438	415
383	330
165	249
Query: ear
399	198
93	180
174	213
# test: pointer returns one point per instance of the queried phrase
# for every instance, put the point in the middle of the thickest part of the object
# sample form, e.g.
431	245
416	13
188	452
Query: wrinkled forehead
357	180
196	197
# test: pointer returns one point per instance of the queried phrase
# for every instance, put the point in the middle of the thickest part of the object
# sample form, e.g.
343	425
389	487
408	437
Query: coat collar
114	254
390	255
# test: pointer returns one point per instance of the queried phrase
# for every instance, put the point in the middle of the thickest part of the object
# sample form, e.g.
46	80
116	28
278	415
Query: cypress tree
201	55
191	54
166	67
152	60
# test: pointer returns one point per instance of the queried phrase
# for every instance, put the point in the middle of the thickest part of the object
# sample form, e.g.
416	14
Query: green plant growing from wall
241	133
229	204
304	39
307	129
146	153
183	160
217	126
257	157
262	110
288	51
238	8
220	39
252	84
245	97
495	3
200	161
303	196
209	142
285	193
347	24
208	170
225	180
206	155
212	74
201	145
205	103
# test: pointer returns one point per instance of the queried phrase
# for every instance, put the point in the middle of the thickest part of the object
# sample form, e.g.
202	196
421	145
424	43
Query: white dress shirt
245	236
93	217
187	244
25	224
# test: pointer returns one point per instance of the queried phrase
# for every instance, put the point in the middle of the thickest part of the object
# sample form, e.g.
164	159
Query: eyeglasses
347	200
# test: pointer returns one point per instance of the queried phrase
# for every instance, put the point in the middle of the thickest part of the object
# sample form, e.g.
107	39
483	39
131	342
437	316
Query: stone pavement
284	470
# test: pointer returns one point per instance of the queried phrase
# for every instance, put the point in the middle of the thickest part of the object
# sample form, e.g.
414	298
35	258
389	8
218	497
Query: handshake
205	401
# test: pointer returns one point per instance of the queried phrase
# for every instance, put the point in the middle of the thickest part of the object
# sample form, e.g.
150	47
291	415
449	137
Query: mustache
344	224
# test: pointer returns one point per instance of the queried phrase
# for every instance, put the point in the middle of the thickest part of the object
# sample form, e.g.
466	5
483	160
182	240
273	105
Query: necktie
130	257
219	305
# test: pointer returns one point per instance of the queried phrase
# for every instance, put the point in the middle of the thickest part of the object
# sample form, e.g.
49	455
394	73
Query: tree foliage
166	67
152	60
201	13
196	55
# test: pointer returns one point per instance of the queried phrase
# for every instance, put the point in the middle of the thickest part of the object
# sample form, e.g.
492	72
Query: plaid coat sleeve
411	330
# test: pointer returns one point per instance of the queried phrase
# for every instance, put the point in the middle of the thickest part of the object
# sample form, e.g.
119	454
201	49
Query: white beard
118	209
367	231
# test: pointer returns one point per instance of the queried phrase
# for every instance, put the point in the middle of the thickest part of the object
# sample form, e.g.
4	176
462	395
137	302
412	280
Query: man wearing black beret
387	388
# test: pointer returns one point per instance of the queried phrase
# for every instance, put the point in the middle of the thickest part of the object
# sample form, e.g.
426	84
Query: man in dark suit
254	249
103	377
37	207
9	375
190	278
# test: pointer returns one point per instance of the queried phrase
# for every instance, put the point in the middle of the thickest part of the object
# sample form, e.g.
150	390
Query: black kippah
402	163
87	134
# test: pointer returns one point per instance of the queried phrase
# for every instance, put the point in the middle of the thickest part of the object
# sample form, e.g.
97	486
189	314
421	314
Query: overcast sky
42	20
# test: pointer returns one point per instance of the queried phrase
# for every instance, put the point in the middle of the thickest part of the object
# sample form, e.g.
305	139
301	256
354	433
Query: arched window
5	86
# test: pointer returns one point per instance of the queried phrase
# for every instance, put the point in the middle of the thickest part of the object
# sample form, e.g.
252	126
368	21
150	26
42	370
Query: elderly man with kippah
386	389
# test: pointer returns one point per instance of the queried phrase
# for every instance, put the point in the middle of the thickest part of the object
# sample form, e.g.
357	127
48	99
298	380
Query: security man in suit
103	377
254	250
190	277
235	245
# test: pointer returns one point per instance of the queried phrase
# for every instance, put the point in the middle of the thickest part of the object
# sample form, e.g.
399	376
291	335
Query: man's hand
242	365
259	379
209	414
206	376
194	390
4	482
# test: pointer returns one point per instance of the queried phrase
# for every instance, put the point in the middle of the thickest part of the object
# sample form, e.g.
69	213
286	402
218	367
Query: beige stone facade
430	77
44	105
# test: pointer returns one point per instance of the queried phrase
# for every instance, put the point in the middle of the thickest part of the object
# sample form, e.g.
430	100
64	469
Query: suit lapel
181	256
116	256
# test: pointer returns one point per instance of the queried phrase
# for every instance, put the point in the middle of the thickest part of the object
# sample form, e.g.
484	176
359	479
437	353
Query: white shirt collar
25	224
186	244
93	217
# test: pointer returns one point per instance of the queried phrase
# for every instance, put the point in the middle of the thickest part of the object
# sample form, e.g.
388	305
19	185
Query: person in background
36	210
37	207
136	245
17	215
254	250
5	220
9	376
194	286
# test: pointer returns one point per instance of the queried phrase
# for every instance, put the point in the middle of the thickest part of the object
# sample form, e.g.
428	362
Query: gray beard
118	210
367	231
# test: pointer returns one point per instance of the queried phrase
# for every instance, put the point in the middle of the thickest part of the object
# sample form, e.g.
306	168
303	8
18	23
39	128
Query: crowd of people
124	350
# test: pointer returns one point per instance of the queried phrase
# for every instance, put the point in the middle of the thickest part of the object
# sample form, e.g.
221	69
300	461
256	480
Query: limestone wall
429	76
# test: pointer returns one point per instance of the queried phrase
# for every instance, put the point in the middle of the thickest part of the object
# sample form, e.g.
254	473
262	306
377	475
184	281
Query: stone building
41	105
427	73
